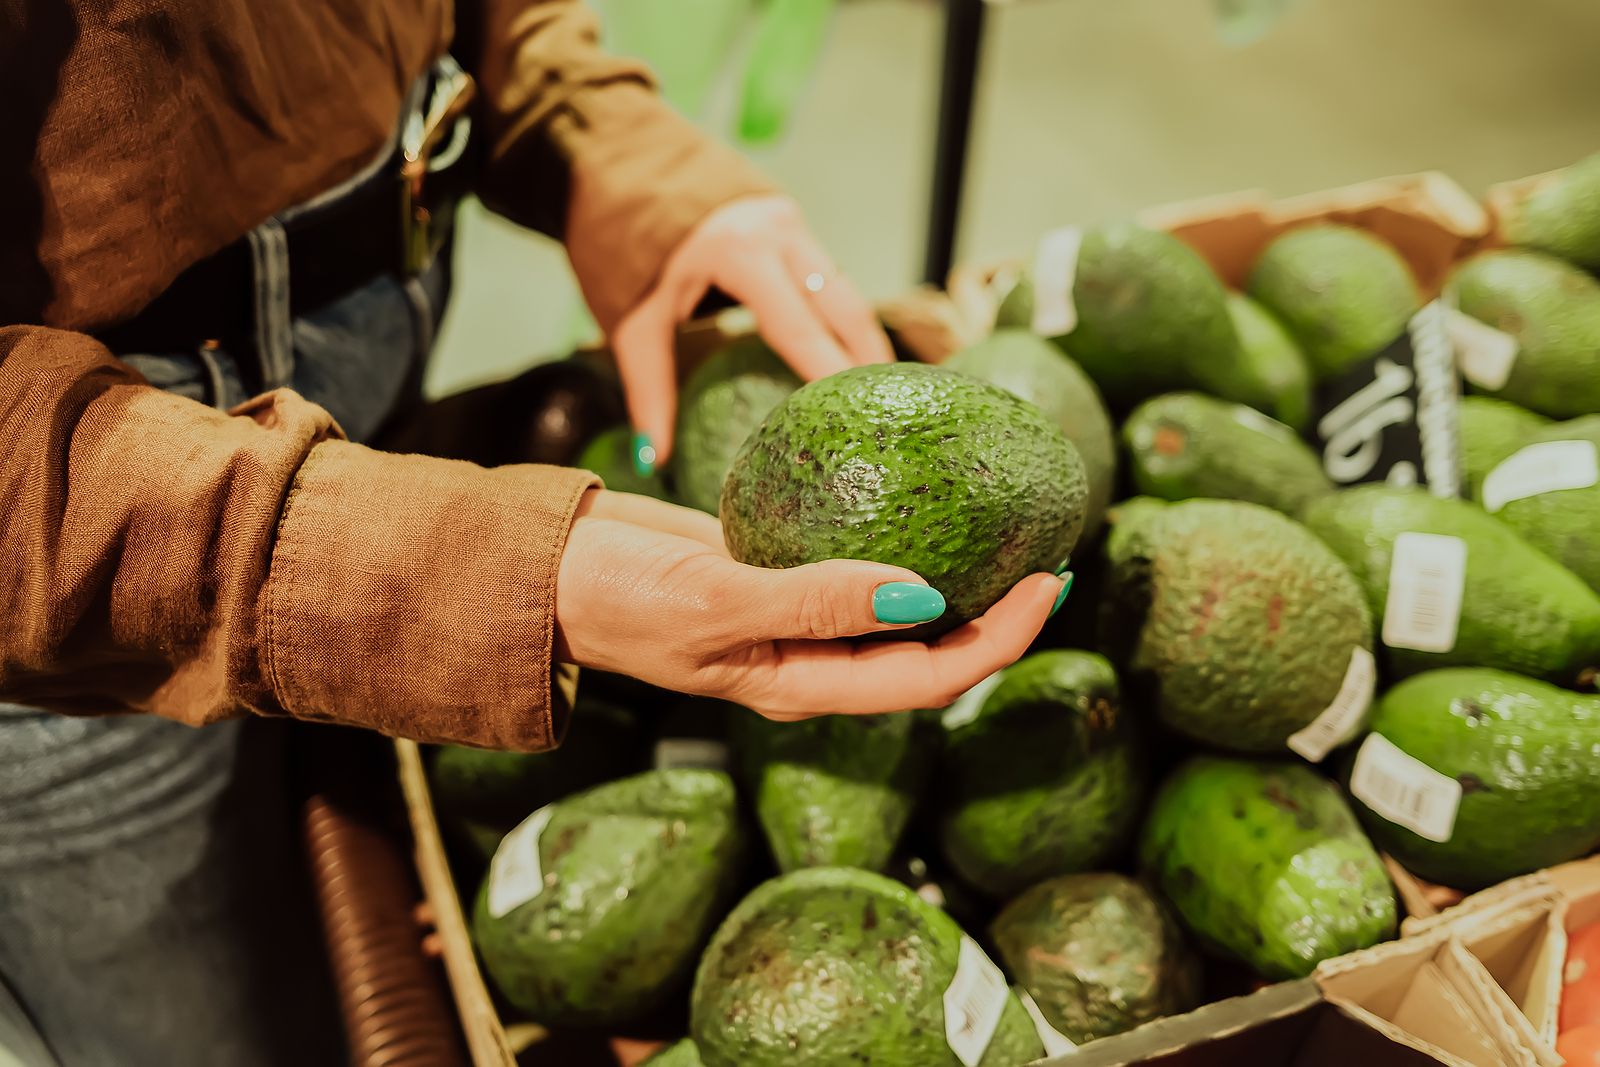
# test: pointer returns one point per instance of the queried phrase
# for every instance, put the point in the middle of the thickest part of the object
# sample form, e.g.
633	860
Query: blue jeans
151	906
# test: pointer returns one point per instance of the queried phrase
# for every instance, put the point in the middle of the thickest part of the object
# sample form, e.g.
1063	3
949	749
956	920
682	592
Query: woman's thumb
844	598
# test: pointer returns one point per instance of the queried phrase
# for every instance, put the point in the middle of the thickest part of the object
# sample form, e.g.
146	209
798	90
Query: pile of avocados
1262	686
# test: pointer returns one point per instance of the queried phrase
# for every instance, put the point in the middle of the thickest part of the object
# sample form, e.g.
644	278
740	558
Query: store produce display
725	398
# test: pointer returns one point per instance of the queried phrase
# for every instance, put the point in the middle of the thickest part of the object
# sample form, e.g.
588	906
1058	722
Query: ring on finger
815	281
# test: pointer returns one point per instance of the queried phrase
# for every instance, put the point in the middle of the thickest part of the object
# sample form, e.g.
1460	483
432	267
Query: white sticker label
1484	354
1405	790
968	704
1542	468
699	753
1055	269
1426	579
1341	719
1054	1041
1248	416
515	876
973	1003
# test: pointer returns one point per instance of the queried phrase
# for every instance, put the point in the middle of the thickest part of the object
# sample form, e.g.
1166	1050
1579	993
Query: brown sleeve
160	556
581	147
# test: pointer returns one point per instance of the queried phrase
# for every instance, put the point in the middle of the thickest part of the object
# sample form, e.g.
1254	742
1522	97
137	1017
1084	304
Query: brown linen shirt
163	557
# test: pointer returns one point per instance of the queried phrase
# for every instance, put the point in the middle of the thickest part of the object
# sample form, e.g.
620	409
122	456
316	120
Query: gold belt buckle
452	92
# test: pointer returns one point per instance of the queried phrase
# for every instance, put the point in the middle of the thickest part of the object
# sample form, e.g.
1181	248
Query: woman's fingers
842	308
831	599
787	321
646	362
659	515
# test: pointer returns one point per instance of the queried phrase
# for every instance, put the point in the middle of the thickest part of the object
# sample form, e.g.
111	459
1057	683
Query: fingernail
644	455
1062	566
1061	597
902	602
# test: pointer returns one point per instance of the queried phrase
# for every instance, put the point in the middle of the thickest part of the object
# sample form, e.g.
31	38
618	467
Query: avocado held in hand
916	466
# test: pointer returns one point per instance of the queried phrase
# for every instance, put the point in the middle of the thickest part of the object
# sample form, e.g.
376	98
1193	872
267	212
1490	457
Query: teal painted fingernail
1062	566
644	455
902	602
1061	597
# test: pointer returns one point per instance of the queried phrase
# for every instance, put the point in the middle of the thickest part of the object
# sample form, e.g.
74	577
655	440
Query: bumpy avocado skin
1272	375
1240	622
1491	430
723	402
1099	953
610	455
636	874
1265	863
1564	523
833	791
678	1054
1039	372
917	466
835	967
1048	779
1520	610
1342	293
1185	445
1553	310
1527	755
1561	216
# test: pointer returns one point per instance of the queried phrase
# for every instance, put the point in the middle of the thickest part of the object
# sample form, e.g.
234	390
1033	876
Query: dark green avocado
723	401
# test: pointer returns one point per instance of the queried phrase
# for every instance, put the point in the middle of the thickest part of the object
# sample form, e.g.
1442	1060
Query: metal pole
963	39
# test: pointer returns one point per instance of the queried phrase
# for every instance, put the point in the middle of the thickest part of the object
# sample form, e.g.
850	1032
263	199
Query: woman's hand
758	251
647	589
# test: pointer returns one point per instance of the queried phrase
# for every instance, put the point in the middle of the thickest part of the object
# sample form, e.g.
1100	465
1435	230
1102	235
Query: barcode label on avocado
515	875
1484	354
1055	269
1427	577
1340	720
1404	790
973	1003
699	753
1547	467
1054	1041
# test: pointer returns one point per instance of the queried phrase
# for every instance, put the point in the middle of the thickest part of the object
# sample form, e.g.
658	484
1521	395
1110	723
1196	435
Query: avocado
723	401
610	455
1520	610
1184	445
1343	293
925	468
1525	756
1560	522
833	791
1491	430
626	880
1272	374
835	966
1037	371
1265	863
1099	954
1016	306
1047	779
1552	310
678	1054
1560	215
1240	624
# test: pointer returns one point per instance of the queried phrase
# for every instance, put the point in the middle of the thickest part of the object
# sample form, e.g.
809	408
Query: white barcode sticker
968	704
1426	579
700	753
1248	416
1543	468
1341	719
515	876
1055	269
973	1003
1484	354
1055	1042
1405	790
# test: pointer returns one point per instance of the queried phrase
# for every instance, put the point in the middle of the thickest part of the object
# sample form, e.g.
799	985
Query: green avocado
1016	306
925	468
1491	430
1184	445
610	455
1560	215
1047	778
1037	371
1526	756
635	874
1099	954
833	966
1562	523
833	791
476	840
1552	310
723	401
1342	293
1272	375
1265	863
678	1054
1240	624
1520	610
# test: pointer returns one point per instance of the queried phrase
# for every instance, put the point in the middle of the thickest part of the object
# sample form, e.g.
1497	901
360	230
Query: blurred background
1084	110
